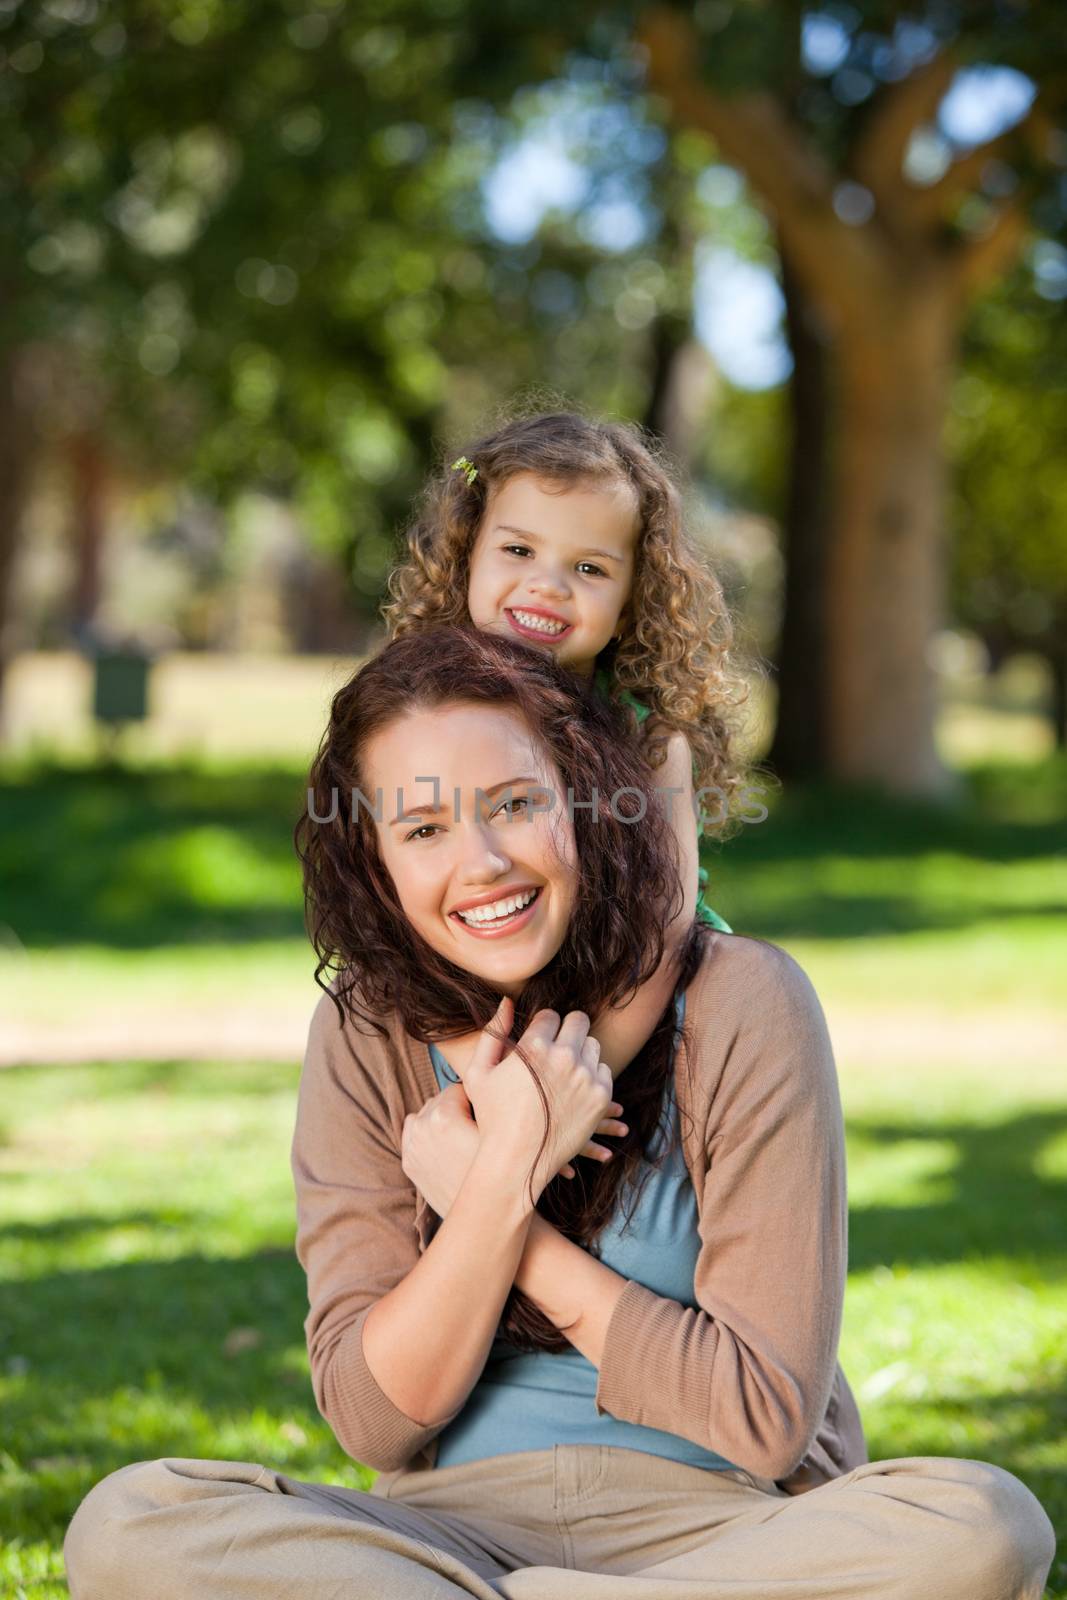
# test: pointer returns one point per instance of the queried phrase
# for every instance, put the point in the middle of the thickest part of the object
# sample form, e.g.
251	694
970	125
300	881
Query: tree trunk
887	561
1057	660
798	750
88	475
14	450
665	340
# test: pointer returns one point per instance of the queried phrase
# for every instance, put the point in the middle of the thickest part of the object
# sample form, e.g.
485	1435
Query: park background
262	264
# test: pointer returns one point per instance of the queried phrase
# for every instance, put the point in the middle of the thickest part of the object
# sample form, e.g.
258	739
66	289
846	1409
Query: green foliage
254	243
1009	442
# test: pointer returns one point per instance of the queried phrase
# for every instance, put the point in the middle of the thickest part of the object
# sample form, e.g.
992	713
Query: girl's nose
549	583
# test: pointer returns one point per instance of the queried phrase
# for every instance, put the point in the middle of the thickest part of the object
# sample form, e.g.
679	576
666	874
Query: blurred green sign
120	686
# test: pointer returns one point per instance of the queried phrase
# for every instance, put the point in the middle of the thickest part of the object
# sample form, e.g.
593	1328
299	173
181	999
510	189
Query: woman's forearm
575	1292
426	1341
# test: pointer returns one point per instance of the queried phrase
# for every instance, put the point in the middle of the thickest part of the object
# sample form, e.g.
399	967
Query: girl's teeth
540	623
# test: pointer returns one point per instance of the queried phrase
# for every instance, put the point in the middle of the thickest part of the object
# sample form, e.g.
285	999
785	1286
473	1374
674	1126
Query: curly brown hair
675	652
626	860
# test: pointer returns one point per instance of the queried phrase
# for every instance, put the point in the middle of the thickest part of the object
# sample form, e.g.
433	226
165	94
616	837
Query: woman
621	1382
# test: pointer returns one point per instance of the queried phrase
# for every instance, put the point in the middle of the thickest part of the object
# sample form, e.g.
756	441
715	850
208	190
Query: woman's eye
427	828
520	800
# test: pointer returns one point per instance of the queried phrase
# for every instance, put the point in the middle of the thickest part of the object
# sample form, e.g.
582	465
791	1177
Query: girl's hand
575	1083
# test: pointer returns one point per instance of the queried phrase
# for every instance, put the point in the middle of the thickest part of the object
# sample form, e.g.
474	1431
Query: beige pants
583	1522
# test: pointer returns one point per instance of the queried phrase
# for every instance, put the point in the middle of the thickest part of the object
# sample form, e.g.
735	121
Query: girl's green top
641	712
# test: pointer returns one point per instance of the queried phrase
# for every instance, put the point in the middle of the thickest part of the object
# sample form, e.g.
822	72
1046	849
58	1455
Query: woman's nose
483	858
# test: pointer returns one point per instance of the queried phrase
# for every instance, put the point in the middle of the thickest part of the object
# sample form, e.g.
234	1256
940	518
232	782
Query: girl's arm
624	1030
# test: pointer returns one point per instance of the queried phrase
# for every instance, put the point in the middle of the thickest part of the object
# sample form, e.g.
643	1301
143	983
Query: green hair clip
468	469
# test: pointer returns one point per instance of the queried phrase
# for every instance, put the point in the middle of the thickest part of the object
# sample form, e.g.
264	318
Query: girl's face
554	567
483	875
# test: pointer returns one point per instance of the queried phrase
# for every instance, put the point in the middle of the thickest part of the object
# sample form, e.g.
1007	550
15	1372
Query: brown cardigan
753	1373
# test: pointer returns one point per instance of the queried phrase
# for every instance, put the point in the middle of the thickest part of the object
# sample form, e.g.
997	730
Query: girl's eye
524	550
427	828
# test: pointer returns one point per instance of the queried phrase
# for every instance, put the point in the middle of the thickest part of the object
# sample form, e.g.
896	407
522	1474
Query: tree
247	245
889	263
1009	443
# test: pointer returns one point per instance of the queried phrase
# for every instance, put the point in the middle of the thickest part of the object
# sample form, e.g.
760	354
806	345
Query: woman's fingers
574	1032
611	1127
490	1051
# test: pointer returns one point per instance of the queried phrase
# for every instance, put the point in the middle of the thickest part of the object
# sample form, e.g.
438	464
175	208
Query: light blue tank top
532	1401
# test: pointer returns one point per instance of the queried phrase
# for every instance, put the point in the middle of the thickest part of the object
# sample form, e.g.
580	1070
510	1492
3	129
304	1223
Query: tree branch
978	261
752	129
838	263
929	205
896	113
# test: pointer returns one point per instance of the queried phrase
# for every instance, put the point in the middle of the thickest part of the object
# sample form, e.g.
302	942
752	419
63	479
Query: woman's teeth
542	624
499	911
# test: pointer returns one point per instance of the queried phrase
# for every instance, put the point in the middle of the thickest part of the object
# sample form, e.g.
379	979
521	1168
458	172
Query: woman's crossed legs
584	1522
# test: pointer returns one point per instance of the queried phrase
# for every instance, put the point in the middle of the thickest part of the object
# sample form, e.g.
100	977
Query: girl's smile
547	627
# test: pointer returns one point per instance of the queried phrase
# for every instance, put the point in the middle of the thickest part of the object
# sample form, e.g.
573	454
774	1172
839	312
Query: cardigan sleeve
749	1372
356	1232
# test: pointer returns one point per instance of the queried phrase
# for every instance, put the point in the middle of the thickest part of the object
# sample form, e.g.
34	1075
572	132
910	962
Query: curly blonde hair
674	654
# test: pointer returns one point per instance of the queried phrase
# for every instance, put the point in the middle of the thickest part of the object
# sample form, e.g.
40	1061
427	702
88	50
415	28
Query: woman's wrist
497	1173
577	1293
541	1274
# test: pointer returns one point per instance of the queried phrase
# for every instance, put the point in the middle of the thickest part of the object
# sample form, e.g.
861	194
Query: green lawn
147	1308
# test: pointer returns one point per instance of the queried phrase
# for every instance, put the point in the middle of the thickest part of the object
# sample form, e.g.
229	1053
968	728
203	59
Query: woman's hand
437	1146
439	1143
575	1083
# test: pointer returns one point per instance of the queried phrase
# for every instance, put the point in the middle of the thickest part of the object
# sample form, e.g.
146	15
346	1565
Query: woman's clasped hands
498	1105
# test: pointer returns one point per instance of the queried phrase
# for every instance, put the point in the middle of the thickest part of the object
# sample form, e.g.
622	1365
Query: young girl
568	535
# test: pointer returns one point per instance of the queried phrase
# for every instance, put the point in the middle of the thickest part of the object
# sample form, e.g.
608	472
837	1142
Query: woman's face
554	567
472	852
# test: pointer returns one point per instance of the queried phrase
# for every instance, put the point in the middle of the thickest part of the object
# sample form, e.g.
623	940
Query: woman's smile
499	918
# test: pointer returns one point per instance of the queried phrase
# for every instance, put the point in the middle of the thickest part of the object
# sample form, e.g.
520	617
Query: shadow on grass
64	1230
997	1204
134	859
167	1080
130	858
129	1362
